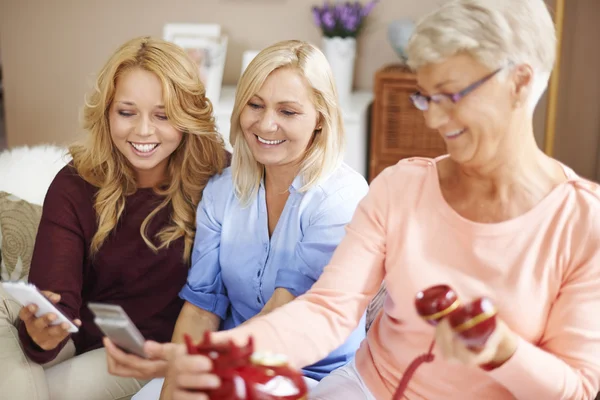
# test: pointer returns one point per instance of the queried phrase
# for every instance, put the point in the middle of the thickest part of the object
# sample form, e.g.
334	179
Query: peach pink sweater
541	269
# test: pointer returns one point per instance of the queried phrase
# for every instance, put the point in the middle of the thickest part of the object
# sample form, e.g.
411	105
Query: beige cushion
19	222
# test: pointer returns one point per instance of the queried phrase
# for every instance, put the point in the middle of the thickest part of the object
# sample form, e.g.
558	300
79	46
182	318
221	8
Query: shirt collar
295	186
297	183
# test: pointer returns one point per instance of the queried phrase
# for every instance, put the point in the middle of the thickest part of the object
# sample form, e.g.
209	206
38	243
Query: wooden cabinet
398	129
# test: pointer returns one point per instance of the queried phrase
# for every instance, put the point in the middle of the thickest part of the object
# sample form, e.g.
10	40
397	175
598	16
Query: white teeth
454	133
144	148
269	141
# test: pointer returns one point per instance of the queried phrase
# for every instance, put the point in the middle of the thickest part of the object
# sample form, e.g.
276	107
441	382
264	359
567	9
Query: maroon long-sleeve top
125	271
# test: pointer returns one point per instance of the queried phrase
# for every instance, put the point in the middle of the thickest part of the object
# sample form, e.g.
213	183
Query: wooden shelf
398	129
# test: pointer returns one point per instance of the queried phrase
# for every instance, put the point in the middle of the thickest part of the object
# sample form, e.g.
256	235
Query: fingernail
201	365
213	381
31	308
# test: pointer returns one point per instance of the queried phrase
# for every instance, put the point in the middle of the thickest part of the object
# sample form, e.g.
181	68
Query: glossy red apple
436	302
474	322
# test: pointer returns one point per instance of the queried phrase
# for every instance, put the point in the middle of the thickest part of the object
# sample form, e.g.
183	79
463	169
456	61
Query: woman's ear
319	124
522	82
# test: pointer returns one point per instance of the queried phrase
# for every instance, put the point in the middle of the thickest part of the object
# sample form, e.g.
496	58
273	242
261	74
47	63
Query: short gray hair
494	32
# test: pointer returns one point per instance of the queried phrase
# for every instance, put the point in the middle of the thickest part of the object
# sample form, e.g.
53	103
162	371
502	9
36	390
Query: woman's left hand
500	346
132	366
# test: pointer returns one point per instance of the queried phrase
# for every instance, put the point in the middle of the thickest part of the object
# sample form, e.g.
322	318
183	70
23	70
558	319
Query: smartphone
27	293
114	322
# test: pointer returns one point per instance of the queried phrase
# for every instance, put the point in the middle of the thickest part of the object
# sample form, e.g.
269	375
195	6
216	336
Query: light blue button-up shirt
236	267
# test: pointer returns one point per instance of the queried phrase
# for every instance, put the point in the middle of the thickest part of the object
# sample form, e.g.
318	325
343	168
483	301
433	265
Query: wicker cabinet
398	129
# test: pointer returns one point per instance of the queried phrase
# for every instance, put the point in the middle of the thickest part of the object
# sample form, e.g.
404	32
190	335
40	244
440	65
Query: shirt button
258	273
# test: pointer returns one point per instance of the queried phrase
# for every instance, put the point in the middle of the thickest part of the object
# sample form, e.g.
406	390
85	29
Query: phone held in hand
27	293
114	322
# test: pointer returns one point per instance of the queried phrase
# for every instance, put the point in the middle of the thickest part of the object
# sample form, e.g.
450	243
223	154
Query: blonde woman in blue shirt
268	225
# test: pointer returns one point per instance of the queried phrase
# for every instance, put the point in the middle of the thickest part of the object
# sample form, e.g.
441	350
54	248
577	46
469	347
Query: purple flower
317	16
368	8
328	19
350	23
341	19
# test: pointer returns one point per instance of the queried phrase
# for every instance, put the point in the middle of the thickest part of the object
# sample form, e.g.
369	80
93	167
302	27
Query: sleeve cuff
522	373
214	303
293	281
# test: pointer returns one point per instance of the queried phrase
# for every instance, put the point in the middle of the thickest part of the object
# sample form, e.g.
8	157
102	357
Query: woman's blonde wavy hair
199	156
326	151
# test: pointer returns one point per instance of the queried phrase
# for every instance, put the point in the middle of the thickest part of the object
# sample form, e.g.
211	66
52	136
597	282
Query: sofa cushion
27	172
19	222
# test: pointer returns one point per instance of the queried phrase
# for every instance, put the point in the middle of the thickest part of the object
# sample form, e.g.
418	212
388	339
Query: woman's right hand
45	335
189	375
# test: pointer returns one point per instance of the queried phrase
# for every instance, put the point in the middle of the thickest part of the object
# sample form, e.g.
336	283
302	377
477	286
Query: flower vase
341	53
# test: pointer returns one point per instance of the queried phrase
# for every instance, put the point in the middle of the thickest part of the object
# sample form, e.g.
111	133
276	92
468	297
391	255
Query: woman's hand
279	298
188	375
501	345
45	335
133	366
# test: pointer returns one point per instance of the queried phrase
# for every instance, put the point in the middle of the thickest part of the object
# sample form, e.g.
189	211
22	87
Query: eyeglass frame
453	97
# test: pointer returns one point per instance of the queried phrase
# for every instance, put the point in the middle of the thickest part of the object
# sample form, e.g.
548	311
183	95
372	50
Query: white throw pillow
27	172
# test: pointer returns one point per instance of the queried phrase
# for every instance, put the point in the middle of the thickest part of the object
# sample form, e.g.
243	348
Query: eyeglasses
446	100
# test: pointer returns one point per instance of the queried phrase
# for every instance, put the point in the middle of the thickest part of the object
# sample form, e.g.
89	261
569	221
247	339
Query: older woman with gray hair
495	217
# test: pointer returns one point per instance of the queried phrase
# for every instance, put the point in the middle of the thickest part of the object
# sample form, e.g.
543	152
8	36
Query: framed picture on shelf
207	47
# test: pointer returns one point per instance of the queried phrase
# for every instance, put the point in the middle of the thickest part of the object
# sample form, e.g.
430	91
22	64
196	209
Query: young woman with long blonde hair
118	222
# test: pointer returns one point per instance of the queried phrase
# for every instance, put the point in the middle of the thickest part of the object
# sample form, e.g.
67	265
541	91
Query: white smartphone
114	322
26	294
